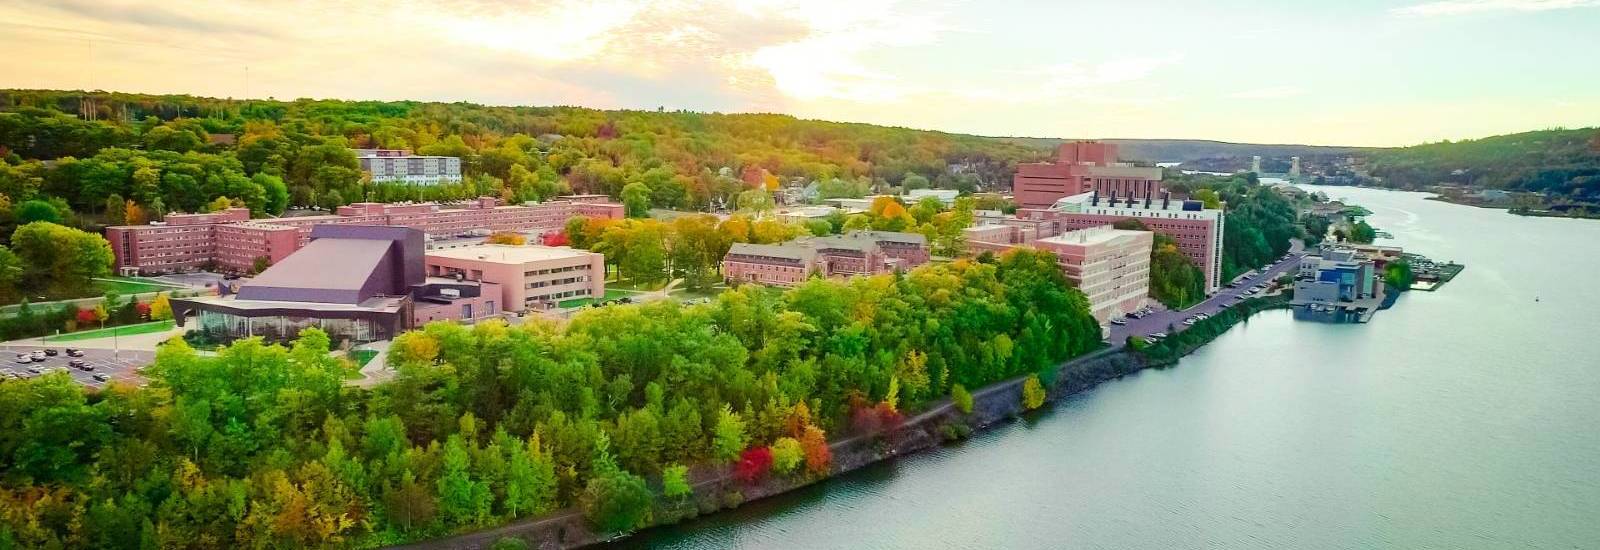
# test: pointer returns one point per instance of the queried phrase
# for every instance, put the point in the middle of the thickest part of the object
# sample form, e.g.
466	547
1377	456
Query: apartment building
400	166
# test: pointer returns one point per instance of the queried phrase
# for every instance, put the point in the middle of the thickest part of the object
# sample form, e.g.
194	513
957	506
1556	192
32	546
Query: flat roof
509	254
1092	235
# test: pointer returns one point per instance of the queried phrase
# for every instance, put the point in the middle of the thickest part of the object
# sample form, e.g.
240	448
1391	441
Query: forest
1561	162
101	152
263	446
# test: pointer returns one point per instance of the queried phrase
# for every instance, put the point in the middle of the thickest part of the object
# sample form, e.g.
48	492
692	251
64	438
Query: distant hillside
1184	150
1558	161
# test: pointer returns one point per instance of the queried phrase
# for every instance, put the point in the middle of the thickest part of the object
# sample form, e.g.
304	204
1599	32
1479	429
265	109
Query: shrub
675	481
616	501
753	464
818	456
787	455
962	398
1032	392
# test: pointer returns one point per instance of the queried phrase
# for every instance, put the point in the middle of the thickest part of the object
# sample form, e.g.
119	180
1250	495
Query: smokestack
1094	199
1165	198
1112	202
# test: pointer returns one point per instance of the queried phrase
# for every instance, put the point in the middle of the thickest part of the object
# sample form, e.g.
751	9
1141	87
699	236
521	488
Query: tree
508	238
1032	392
36	211
462	499
276	192
636	200
819	457
729	437
787	455
616	501
219	204
675	481
961	398
160	308
60	260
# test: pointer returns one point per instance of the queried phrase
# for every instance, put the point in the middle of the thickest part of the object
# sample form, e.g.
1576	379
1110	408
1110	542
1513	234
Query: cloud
1460	7
154	16
1272	92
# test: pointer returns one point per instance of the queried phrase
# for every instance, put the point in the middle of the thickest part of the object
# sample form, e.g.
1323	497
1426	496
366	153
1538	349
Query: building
1198	230
357	283
400	166
528	277
1336	275
855	253
230	241
1110	266
1082	167
946	196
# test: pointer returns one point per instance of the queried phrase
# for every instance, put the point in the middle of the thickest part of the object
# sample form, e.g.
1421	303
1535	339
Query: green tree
961	398
636	200
37	211
675	481
729	438
1032	392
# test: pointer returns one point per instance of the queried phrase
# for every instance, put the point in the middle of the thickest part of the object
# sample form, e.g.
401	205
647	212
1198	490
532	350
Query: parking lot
120	366
1162	320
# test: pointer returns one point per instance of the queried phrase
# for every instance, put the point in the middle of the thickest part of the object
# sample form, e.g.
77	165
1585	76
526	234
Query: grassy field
611	294
125	330
131	285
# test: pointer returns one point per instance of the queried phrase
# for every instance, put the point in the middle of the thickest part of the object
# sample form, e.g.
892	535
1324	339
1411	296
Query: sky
1346	72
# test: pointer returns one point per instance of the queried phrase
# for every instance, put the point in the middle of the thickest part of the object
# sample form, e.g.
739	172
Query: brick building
1082	167
230	241
1197	230
528	277
855	253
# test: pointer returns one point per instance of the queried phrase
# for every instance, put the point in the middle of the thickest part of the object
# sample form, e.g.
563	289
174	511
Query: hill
1556	161
181	152
1185	150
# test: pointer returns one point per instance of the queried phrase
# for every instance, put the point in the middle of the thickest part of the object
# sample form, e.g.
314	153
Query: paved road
124	367
1162	320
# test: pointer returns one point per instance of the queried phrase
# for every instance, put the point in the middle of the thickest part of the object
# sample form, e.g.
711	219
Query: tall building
1110	266
230	241
400	166
1198	230
1082	167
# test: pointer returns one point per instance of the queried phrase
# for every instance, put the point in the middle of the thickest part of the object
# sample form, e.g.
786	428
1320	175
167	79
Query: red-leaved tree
753	464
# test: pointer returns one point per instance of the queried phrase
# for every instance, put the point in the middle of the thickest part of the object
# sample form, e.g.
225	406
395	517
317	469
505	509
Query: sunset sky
1348	72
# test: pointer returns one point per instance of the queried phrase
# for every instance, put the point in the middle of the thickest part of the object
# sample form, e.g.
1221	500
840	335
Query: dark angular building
356	282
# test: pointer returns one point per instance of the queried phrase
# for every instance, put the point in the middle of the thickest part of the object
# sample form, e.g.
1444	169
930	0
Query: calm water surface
1464	418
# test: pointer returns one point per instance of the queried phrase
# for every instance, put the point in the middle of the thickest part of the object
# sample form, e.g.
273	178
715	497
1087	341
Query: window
466	311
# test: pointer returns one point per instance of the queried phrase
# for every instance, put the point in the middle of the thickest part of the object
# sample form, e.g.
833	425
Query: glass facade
227	326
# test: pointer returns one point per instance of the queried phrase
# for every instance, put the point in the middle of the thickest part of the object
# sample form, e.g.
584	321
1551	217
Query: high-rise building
1082	167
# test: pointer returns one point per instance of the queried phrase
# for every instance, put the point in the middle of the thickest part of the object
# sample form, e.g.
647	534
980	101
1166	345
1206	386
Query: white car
1118	321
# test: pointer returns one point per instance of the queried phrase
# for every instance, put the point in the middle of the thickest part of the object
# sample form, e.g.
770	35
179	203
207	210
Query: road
124	367
1163	320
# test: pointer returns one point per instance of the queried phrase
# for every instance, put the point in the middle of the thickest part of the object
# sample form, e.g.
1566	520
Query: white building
398	166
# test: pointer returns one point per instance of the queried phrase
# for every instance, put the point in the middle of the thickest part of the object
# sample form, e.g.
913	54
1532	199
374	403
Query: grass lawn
611	294
131	285
362	356
125	330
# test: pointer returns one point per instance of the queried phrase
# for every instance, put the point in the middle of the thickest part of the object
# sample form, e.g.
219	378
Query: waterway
1463	418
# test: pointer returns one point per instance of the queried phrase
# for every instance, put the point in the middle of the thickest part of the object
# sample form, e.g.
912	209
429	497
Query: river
1463	418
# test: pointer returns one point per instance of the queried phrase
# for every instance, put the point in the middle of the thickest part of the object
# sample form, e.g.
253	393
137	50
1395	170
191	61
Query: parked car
24	358
51	352
1159	335
74	352
1118	321
103	377
78	364
38	355
35	370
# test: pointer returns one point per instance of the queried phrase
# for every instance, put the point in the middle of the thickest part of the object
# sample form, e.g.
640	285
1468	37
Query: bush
787	455
616	501
1032	393
510	543
675	481
753	464
961	398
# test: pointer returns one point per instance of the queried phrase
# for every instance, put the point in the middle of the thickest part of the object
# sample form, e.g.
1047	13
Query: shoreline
937	425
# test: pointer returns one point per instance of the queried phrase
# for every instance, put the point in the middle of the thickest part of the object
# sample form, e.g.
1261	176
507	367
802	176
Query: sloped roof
325	270
801	253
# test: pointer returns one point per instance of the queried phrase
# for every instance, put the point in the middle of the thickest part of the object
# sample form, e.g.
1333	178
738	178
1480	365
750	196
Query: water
1464	418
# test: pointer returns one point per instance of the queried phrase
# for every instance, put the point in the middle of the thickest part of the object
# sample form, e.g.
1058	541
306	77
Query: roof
889	236
509	254
848	242
1092	235
792	252
323	264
